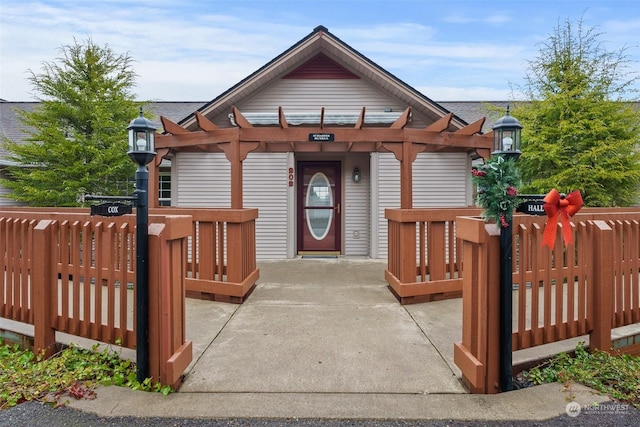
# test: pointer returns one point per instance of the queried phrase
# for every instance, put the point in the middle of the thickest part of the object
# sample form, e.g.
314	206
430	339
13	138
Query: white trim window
164	187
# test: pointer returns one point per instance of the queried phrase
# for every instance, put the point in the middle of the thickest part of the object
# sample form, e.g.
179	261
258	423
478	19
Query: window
164	187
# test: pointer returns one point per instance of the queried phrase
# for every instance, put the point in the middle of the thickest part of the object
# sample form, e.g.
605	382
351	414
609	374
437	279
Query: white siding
205	180
439	180
356	206
265	180
313	94
388	184
201	179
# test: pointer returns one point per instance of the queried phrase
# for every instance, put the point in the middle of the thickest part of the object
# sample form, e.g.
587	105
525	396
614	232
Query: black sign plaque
321	137
111	209
532	204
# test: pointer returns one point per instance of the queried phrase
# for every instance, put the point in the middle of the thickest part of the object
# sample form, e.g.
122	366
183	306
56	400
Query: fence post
169	351
603	279
44	335
408	268
235	252
478	355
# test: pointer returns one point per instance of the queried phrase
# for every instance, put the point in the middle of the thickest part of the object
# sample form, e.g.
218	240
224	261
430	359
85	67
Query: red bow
565	207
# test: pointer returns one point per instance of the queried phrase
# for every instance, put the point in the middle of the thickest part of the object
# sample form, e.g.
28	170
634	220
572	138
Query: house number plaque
321	137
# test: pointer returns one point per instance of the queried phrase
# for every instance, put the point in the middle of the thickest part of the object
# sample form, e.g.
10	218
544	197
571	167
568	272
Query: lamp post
506	143
142	151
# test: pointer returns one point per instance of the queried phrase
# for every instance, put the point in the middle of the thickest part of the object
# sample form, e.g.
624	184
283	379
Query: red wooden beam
360	121
282	120
171	127
402	121
440	125
204	123
473	128
240	120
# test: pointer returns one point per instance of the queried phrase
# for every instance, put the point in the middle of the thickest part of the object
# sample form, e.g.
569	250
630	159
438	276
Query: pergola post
236	174
406	176
407	232
154	178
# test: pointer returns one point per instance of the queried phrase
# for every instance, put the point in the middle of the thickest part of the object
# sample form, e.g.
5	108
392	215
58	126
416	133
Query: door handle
337	208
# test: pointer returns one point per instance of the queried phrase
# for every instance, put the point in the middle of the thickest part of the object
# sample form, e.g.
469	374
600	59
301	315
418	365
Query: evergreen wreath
496	181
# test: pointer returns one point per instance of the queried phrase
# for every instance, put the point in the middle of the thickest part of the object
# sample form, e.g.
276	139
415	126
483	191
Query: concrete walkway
325	338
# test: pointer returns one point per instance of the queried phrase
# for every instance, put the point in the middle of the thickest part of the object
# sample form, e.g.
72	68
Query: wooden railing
222	252
424	261
73	273
587	288
221	262
554	300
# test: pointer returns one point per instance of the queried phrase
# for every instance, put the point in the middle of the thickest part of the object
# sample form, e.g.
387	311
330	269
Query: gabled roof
321	41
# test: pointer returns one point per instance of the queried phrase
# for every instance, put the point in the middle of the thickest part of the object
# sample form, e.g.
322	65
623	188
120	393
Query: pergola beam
360	121
240	120
440	125
290	138
402	121
282	120
172	128
204	123
473	128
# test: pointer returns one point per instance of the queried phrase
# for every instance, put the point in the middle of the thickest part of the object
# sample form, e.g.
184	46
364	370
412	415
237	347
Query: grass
615	374
72	372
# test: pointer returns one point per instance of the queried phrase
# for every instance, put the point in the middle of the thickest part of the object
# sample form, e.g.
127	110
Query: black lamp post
142	151
506	143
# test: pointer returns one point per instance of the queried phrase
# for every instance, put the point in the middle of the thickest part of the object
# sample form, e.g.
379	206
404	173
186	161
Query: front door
319	201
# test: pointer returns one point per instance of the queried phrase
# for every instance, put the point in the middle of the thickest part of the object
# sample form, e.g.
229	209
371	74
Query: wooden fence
73	273
222	252
424	261
221	262
589	287
555	295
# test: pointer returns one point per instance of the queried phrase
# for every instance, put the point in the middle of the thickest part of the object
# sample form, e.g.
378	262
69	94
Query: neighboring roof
174	111
10	125
470	111
11	128
320	40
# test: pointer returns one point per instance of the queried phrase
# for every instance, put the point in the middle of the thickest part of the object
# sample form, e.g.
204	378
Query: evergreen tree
581	128
77	138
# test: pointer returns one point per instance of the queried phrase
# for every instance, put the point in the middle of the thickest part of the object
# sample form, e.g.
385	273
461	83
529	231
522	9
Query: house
319	122
319	193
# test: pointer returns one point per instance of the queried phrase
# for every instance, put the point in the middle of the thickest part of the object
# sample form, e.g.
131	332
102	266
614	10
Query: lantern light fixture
506	136
356	175
141	140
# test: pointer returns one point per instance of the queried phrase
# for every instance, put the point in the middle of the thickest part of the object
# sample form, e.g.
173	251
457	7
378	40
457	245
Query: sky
194	50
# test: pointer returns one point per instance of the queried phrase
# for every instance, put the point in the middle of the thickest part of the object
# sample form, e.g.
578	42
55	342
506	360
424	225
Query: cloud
471	93
185	50
494	19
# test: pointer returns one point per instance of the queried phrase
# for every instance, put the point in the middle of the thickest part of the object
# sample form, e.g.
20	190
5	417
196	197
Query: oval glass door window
319	195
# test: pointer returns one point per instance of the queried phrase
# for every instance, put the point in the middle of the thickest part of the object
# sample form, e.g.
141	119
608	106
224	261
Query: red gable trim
321	67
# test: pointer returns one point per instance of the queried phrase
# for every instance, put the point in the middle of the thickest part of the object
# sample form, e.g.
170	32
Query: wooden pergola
238	142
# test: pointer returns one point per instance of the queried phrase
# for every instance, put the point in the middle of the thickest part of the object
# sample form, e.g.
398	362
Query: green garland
496	181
